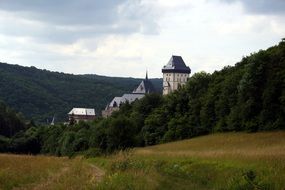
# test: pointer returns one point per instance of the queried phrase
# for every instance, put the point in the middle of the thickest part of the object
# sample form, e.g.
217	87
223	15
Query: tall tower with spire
175	74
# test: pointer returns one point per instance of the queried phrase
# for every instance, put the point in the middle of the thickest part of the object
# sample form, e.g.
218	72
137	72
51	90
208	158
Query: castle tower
175	74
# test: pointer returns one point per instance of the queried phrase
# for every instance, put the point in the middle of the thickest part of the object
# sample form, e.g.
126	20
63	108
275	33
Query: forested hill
41	94
249	96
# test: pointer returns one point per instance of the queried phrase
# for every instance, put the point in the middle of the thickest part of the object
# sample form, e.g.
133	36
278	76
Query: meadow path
95	174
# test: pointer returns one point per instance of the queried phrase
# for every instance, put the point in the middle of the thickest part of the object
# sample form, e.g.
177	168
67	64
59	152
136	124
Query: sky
127	37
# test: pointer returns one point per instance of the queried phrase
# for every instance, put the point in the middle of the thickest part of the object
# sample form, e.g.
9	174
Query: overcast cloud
273	7
126	37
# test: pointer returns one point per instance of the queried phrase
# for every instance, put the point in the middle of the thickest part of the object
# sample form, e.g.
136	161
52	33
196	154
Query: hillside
224	145
220	161
249	96
41	94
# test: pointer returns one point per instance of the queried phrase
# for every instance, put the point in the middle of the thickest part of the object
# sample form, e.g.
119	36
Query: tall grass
220	161
44	172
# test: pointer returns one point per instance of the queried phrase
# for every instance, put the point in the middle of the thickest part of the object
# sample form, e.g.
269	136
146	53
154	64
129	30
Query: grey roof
132	97
82	111
116	102
145	87
176	65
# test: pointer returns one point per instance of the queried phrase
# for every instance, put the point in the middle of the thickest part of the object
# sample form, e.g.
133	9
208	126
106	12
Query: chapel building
145	87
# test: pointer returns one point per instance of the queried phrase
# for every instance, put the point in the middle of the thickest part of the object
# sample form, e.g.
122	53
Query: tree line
249	96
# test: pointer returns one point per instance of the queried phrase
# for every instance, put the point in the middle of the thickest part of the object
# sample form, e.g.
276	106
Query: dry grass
45	172
219	161
262	145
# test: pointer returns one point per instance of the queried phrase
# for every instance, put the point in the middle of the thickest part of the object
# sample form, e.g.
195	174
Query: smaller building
145	87
82	114
113	106
117	101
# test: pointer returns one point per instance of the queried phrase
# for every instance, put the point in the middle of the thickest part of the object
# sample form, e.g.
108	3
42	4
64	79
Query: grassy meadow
46	172
220	161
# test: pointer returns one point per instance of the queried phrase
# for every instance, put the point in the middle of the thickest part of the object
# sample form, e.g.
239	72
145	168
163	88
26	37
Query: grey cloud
274	7
68	20
65	12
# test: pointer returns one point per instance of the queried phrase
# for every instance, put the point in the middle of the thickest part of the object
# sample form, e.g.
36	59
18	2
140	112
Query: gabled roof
116	102
145	87
176	65
82	111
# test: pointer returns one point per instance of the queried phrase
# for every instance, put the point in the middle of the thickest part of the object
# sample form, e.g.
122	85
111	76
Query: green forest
249	96
40	94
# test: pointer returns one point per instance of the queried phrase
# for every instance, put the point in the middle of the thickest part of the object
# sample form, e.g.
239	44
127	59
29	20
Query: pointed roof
146	76
176	65
145	87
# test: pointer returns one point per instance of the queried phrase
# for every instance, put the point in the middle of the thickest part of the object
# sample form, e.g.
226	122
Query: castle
175	74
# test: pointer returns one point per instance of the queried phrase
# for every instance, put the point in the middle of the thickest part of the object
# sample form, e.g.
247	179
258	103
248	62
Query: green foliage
4	142
92	152
249	181
10	121
15	135
249	96
41	94
120	134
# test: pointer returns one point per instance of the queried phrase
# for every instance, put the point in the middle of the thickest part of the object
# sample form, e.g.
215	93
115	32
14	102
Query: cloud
126	37
273	7
66	21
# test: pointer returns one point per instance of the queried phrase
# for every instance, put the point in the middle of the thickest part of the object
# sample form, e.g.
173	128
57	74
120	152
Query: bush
92	152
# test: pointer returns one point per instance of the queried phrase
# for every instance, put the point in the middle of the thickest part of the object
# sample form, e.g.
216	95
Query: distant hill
41	94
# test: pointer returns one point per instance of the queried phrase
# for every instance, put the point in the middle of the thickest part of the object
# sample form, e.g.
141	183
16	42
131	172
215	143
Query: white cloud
208	34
